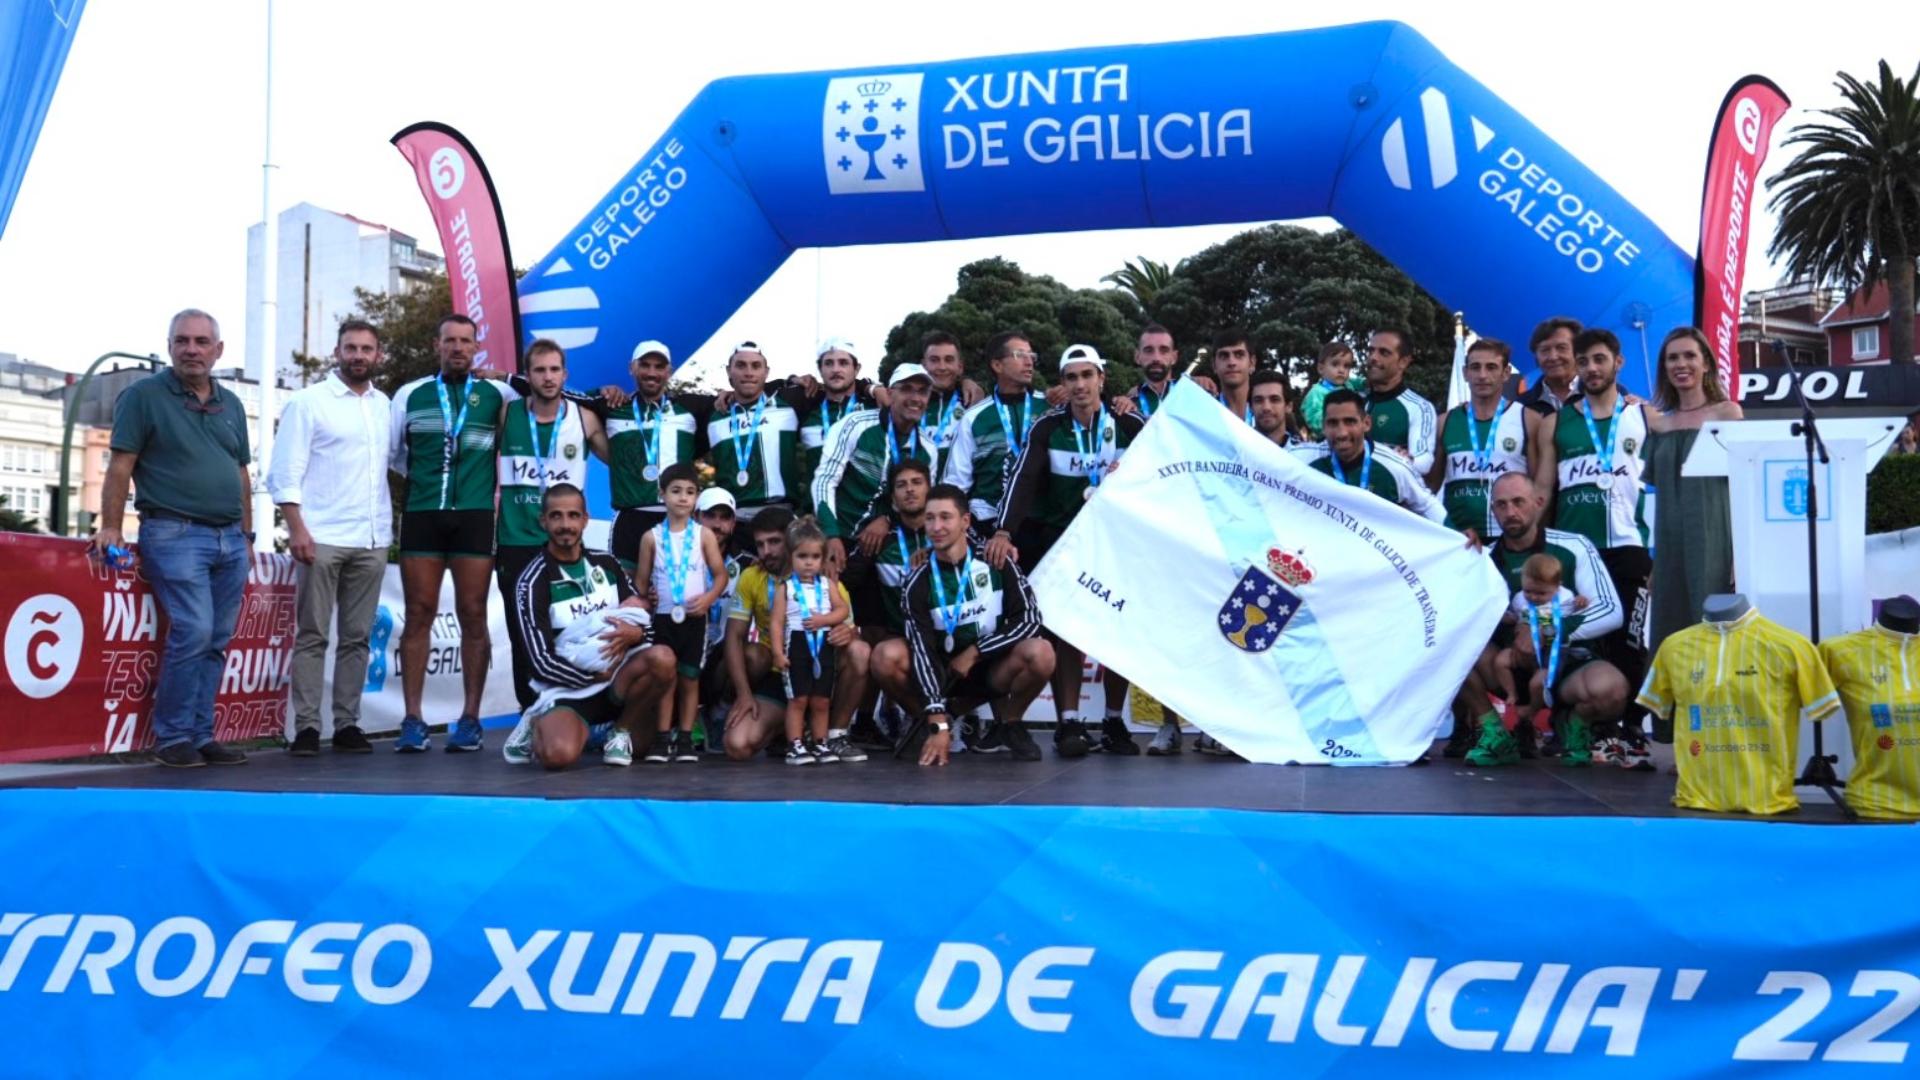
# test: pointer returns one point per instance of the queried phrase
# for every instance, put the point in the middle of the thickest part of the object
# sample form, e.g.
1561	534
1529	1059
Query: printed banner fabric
1297	619
1734	157
466	211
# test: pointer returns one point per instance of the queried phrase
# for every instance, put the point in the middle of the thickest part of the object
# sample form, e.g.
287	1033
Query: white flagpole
1457	384
266	364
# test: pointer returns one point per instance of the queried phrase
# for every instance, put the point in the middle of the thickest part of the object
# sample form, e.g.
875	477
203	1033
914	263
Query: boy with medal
667	560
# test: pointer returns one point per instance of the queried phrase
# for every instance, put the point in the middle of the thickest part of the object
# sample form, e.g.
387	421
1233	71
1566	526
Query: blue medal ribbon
1604	461
1222	399
744	444
827	419
1553	658
678	570
906	549
1483	451
1147	407
815	638
1366	465
660	415
941	427
1087	444
452	423
540	455
1014	441
952	610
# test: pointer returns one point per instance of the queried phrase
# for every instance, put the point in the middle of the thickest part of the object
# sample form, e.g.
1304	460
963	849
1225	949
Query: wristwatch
940	727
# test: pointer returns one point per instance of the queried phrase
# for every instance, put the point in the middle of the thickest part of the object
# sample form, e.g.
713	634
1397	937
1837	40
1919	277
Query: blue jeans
198	574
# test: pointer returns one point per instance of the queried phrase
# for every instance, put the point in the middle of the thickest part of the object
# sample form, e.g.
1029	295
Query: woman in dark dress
1692	522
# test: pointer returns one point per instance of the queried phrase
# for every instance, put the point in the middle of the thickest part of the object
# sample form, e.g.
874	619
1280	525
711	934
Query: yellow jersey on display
1877	672
1737	692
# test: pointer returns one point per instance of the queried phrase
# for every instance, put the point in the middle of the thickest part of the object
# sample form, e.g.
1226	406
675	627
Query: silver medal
651	472
1605	481
740	478
1087	495
679	613
949	643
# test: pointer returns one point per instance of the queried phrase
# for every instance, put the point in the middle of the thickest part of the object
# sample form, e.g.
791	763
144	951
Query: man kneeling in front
597	677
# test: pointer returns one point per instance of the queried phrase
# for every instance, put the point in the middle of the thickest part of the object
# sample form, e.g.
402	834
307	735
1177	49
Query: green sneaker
1496	746
519	746
1577	744
619	748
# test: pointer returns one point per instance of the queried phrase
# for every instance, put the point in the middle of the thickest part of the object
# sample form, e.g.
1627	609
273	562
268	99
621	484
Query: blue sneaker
413	737
465	736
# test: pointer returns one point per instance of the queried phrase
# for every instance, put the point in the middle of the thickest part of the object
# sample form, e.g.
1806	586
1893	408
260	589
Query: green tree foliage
1893	494
994	295
1144	279
408	322
1849	201
1293	290
12	520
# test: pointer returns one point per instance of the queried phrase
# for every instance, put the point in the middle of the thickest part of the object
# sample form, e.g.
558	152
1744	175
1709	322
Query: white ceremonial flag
1294	618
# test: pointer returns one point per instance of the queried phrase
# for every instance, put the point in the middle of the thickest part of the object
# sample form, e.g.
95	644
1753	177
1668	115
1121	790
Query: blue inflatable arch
1368	124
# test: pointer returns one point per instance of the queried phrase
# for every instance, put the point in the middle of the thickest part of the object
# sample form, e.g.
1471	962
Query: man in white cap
844	393
1066	456
850	489
645	435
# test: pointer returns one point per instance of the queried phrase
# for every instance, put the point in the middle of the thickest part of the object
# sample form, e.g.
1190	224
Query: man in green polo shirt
181	439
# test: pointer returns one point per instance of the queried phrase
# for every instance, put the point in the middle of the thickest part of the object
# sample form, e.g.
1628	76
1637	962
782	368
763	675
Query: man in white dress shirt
329	475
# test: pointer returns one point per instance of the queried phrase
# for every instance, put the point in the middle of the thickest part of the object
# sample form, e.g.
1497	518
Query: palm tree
1849	201
12	520
1143	280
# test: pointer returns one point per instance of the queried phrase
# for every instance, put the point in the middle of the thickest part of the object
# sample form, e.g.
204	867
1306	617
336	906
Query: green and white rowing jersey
1609	512
1404	418
532	459
645	436
982	454
1581	572
1478	452
444	441
941	423
893	565
755	453
851	483
1384	473
1054	475
817	419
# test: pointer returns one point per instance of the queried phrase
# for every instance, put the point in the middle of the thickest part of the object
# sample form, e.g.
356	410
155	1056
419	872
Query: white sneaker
1166	741
619	748
518	749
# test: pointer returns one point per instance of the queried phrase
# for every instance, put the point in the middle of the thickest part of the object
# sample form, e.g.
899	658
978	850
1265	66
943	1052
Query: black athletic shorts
799	680
862	579
601	708
972	690
629	526
688	640
445	534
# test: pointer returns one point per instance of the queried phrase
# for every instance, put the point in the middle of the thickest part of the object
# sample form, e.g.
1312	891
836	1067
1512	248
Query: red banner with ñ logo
466	211
1734	156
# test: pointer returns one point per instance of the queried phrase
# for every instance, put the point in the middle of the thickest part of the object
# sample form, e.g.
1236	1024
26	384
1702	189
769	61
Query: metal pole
66	443
266	364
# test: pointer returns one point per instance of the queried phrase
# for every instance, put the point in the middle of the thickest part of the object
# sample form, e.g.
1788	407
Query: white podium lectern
1765	464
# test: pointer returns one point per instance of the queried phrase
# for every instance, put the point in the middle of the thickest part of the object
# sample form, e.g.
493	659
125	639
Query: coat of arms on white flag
1296	619
870	134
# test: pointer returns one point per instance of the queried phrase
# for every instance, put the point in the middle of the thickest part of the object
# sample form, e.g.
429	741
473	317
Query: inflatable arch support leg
1367	123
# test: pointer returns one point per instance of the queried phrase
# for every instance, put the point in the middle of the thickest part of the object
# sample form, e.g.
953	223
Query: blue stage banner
233	934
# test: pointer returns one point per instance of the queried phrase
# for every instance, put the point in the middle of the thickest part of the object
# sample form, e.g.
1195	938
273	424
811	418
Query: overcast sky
147	173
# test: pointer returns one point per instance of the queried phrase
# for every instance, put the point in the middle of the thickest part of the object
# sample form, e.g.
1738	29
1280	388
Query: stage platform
1540	788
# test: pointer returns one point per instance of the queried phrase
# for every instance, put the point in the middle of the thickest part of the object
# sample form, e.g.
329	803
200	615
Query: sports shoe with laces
1166	741
351	740
682	749
990	739
414	738
822	752
661	750
465	736
1496	746
1020	741
1070	739
618	750
844	750
1577	743
518	749
798	754
1115	739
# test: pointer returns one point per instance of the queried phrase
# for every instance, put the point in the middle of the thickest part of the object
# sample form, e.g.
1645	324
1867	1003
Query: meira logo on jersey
1263	601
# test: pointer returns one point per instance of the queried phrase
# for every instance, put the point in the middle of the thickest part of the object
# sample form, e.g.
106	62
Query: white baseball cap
908	371
713	498
650	347
1081	354
839	343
